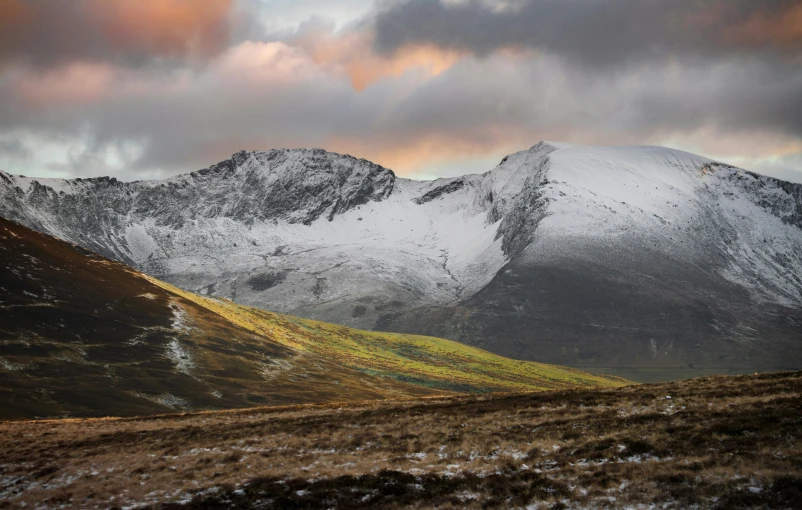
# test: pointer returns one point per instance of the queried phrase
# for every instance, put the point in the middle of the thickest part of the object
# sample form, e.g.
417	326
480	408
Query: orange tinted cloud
13	13
77	83
407	154
354	52
55	31
163	27
412	153
754	26
775	29
261	64
746	145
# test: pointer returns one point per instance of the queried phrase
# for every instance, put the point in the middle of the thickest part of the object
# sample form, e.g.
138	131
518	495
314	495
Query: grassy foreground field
720	442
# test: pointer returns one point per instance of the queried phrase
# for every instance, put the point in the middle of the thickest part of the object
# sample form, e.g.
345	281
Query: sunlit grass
419	360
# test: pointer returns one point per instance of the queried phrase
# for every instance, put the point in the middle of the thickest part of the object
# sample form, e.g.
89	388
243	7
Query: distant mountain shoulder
584	256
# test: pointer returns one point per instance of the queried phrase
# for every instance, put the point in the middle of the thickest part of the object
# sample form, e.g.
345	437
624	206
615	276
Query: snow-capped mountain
599	256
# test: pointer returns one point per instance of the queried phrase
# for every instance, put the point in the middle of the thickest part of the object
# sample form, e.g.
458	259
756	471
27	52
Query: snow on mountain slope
335	238
640	256
681	204
285	230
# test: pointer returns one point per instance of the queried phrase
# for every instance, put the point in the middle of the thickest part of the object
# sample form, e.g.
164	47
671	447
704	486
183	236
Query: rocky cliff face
279	185
593	256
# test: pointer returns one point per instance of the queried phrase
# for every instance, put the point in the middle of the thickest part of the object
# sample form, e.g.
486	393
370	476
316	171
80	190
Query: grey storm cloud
542	98
744	57
596	75
14	149
594	32
747	95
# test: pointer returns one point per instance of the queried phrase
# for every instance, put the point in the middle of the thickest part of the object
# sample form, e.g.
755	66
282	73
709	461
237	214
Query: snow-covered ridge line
342	239
321	227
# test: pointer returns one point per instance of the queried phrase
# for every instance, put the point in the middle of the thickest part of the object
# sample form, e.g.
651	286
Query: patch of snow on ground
167	400
181	320
10	366
180	356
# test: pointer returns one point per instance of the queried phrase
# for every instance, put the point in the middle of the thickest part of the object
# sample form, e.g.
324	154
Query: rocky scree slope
588	256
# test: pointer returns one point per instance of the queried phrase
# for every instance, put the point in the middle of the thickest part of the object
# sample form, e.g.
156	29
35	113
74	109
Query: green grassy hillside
420	360
81	335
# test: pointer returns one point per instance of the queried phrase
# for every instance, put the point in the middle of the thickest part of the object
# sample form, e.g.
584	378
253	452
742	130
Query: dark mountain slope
83	335
577	313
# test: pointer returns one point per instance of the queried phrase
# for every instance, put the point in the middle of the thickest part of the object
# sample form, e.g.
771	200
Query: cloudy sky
151	88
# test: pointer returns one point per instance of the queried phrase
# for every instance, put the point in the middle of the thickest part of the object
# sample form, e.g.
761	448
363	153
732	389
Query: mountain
583	256
82	335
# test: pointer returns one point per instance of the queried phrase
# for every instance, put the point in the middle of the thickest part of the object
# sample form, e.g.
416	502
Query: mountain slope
592	256
644	257
81	335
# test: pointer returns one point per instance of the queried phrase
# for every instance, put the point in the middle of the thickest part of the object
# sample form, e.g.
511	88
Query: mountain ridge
672	235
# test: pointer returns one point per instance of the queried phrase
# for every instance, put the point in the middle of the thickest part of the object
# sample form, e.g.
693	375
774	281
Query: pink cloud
52	32
74	84
352	51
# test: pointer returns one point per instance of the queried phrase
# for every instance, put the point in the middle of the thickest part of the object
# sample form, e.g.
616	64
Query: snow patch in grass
167	400
180	357
181	319
10	366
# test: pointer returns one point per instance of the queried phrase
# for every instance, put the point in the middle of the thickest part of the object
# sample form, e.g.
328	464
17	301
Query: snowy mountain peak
341	239
298	186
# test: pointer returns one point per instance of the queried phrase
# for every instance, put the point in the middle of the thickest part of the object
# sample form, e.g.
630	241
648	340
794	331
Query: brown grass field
719	442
